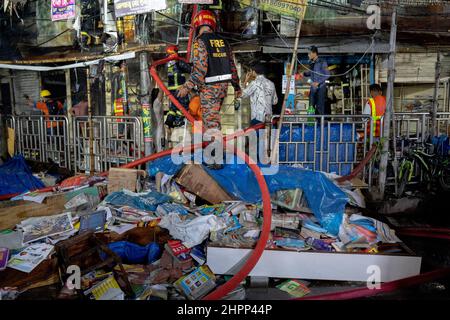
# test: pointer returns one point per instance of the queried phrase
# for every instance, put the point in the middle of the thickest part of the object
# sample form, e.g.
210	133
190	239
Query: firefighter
375	107
175	79
213	70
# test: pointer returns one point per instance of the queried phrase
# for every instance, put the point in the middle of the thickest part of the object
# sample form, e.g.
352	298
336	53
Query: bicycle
433	167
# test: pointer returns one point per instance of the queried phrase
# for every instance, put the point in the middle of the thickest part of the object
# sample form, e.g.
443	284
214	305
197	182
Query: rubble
154	239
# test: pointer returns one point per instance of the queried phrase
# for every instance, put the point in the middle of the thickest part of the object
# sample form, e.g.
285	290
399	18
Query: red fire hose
436	233
384	287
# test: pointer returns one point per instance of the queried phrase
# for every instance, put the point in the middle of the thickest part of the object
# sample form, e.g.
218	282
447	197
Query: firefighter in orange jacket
375	107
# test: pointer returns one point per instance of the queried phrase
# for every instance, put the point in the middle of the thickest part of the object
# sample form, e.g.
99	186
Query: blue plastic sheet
16	177
341	149
131	253
325	199
441	144
143	201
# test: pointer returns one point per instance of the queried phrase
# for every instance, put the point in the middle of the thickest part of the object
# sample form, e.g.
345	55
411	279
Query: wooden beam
82	57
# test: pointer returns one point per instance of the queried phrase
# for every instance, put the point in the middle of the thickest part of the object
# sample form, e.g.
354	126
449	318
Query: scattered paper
294	288
108	289
77	201
122	228
4	255
29	258
252	234
37	197
34	196
11	239
38	228
63	236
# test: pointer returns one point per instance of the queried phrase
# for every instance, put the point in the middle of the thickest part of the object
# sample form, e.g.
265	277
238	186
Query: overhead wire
318	73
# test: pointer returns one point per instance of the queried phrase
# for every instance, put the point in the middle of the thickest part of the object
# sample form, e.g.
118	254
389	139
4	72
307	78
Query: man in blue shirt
318	75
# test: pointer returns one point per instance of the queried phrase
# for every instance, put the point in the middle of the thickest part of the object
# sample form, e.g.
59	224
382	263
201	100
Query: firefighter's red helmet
205	18
172	49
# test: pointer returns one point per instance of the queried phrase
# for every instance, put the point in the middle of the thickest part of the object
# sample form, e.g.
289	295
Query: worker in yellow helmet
49	107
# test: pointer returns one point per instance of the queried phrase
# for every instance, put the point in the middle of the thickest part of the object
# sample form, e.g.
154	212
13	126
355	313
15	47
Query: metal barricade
30	136
123	137
11	122
334	143
56	140
410	127
81	137
443	123
42	138
116	141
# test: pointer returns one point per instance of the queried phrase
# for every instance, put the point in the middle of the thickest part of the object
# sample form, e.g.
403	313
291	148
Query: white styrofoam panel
315	265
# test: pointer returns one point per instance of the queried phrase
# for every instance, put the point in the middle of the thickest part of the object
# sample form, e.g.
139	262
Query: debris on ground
150	240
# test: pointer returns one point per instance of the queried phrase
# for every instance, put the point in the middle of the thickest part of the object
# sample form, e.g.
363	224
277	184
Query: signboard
147	122
196	1
163	23
63	9
292	88
133	7
292	8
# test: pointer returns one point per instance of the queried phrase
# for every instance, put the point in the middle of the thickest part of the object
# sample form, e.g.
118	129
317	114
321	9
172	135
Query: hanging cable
318	73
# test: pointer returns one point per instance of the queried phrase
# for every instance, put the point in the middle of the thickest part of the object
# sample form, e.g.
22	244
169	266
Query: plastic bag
191	232
131	253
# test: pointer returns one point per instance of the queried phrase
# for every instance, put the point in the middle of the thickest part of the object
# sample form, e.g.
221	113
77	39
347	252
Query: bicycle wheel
444	179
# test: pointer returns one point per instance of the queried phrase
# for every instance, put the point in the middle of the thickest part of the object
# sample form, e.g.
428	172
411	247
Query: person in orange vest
375	107
49	107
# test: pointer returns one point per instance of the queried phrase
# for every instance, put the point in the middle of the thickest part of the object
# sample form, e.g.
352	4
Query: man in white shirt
262	95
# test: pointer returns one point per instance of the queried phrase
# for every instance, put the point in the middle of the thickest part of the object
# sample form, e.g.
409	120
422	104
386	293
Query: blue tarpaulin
340	138
16	177
325	199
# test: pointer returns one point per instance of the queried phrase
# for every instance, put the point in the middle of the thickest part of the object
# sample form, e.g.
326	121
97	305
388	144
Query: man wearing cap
49	108
318	75
213	70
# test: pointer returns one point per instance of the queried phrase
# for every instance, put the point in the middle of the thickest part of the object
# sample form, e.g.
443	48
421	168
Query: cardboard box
119	179
199	182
